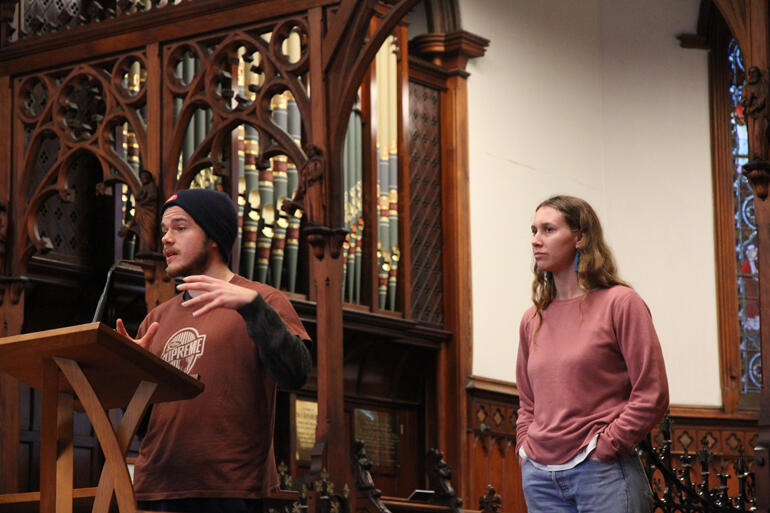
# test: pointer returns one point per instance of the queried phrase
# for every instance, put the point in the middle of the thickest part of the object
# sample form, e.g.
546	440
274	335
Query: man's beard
196	266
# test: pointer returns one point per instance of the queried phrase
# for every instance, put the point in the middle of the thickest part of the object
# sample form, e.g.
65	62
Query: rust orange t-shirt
219	444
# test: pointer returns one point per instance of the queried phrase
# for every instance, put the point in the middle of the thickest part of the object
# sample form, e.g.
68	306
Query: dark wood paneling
491	417
425	203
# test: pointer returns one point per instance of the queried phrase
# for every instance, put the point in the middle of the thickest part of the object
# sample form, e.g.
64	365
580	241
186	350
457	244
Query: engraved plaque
306	418
379	431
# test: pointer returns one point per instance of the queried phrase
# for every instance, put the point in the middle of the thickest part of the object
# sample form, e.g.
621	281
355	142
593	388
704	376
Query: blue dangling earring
577	261
548	275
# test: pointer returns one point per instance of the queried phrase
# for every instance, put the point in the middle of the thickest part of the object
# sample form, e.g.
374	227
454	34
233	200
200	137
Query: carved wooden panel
38	17
70	146
237	79
724	441
425	204
492	420
492	452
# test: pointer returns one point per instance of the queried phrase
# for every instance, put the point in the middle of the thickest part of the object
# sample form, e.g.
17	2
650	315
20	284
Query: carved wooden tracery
212	87
81	109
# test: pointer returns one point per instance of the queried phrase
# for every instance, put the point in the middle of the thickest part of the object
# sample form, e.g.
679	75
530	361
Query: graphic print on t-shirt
184	348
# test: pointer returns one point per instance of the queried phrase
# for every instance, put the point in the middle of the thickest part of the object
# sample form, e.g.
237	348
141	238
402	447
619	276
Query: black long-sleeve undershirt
284	354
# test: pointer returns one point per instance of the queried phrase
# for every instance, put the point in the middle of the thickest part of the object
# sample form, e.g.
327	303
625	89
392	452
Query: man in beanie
214	453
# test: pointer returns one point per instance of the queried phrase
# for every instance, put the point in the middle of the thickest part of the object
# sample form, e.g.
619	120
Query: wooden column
452	52
748	21
341	55
11	299
158	286
322	209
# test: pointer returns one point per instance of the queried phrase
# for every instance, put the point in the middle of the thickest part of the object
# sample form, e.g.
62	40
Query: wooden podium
92	368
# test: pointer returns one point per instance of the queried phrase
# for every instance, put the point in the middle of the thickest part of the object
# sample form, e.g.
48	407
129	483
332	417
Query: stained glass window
745	236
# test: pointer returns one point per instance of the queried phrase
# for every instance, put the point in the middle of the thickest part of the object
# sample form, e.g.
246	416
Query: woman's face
553	242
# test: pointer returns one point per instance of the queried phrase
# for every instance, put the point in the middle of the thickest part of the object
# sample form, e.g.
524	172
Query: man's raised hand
214	293
145	340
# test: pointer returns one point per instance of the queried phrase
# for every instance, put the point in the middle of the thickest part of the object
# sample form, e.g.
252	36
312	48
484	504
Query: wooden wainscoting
491	426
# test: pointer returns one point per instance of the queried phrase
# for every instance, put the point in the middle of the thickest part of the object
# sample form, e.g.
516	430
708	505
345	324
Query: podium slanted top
113	364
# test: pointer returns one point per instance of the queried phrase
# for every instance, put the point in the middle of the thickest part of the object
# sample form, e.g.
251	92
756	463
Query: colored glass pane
745	236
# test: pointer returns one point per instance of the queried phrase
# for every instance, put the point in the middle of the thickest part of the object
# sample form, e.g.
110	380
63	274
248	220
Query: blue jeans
590	487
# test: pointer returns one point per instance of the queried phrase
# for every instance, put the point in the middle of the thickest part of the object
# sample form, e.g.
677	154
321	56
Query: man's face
185	245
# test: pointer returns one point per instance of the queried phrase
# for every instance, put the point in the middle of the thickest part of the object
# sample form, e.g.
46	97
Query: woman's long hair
596	268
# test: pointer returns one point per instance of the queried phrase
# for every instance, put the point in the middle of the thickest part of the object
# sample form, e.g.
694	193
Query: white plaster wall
595	99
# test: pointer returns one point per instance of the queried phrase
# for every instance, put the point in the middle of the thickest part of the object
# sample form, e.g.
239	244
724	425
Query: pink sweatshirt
595	366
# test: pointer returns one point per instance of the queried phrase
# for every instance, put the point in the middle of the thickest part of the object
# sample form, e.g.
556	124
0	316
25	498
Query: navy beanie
213	211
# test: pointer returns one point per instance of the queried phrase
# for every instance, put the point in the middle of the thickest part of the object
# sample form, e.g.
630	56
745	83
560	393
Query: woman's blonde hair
596	268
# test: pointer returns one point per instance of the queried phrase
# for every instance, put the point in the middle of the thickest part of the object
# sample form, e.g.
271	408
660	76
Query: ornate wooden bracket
158	286
310	196
758	174
439	476
755	111
362	465
145	223
452	50
323	239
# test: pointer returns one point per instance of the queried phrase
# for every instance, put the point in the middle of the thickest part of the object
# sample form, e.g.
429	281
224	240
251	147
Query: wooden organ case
359	217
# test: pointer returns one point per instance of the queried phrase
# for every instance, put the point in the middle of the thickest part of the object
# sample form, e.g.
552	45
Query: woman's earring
577	261
548	275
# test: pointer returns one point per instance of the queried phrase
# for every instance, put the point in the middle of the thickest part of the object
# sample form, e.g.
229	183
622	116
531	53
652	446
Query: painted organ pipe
392	106
347	271
294	127
252	202
197	128
270	237
354	220
188	146
128	147
359	207
387	175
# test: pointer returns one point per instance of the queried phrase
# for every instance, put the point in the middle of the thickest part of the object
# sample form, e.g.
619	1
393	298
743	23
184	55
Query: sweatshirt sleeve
284	354
648	399
526	410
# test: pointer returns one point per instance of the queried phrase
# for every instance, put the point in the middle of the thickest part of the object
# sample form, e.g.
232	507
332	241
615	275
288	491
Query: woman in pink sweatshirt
590	372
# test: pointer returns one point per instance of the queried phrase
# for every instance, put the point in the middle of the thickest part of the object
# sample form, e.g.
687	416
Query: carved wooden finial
755	112
758	173
491	502
439	476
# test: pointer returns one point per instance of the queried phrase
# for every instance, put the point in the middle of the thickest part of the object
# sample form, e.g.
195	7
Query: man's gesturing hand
214	293
145	340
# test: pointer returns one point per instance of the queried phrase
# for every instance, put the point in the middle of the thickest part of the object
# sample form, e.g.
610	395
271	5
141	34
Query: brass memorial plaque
379	431
306	418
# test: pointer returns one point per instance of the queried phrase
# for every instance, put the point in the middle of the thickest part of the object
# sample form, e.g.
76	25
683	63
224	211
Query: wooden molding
136	30
722	174
492	386
734	13
452	50
712	413
696	41
506	391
